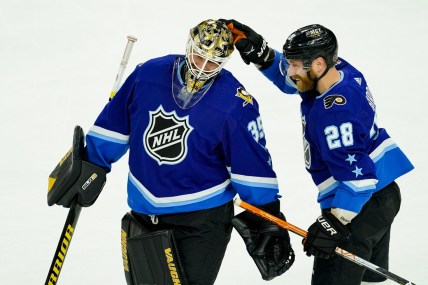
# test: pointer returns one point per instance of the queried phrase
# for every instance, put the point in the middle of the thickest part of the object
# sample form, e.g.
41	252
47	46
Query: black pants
370	233
201	237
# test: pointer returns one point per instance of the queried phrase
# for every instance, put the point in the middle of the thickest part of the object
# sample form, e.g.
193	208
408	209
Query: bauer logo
165	138
326	226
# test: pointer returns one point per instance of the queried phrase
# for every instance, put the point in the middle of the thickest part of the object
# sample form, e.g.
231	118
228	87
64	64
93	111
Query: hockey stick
75	208
122	66
64	243
339	251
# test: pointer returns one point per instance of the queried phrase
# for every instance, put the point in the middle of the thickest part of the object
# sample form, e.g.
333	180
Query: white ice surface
58	61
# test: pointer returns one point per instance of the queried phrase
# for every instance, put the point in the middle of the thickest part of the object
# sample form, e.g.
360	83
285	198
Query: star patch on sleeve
244	95
337	99
351	159
357	171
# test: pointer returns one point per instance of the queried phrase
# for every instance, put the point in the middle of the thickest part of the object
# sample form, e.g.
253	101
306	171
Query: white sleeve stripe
110	139
180	198
108	133
355	185
367	184
385	146
362	183
254	179
326	184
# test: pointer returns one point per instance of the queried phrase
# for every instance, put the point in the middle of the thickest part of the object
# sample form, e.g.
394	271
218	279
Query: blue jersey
183	160
348	156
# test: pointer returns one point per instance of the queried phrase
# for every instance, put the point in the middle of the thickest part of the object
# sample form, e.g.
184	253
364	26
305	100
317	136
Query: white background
58	61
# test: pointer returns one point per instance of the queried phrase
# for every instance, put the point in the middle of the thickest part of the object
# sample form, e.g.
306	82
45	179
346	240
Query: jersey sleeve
248	160
108	139
277	74
342	137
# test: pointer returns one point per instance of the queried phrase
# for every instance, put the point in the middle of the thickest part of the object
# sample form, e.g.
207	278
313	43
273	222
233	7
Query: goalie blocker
73	177
149	257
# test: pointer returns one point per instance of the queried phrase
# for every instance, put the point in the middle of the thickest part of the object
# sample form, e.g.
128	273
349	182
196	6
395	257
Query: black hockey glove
324	236
251	46
268	244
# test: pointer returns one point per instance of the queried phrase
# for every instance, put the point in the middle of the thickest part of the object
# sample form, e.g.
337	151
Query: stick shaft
63	244
339	251
75	209
122	66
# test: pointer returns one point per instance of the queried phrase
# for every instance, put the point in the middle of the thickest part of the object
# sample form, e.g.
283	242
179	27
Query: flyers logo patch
244	95
165	138
334	99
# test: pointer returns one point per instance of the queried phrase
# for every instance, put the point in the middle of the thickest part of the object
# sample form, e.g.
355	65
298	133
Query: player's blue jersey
184	160
348	156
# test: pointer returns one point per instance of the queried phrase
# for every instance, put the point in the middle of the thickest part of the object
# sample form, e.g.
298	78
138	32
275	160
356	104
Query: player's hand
268	244
324	236
251	46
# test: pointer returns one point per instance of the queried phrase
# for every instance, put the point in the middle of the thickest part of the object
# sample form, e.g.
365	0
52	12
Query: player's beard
305	83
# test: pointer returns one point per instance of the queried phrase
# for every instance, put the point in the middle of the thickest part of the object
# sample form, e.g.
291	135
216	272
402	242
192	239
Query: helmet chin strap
315	80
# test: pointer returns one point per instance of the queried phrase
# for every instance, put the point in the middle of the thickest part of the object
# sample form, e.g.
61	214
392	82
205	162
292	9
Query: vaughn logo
165	138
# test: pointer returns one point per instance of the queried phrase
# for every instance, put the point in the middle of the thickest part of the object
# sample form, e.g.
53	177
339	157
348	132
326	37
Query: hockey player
351	159
195	139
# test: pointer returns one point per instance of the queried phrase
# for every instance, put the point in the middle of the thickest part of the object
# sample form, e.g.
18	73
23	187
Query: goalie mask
209	46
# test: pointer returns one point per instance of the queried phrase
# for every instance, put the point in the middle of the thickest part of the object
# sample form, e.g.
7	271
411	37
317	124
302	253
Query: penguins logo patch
334	99
165	138
244	95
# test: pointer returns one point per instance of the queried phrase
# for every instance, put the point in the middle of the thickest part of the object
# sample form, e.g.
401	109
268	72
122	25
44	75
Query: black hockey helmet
310	42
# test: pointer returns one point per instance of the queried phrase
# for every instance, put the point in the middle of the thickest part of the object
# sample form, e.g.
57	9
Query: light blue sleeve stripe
329	188
359	189
107	138
385	150
172	204
255	184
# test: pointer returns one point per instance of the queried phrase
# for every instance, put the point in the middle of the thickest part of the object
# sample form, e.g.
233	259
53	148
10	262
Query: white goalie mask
209	47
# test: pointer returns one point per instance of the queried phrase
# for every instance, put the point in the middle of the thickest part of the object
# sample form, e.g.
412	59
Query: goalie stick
64	243
75	208
122	66
339	251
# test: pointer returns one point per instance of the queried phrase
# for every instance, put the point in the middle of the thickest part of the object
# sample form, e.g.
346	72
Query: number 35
336	136
256	129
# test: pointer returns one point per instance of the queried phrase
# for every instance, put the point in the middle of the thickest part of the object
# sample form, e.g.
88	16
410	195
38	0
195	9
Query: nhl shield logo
165	138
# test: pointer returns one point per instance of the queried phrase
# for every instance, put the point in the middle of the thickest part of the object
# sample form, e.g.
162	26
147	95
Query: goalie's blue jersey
348	156
183	160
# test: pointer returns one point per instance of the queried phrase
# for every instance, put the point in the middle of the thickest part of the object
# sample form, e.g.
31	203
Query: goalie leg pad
149	257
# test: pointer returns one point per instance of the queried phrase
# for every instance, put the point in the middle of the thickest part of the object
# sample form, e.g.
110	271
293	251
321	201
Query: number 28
336	136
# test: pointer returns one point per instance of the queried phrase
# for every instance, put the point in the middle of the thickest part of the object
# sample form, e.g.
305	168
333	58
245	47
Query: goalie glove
75	178
268	244
251	46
